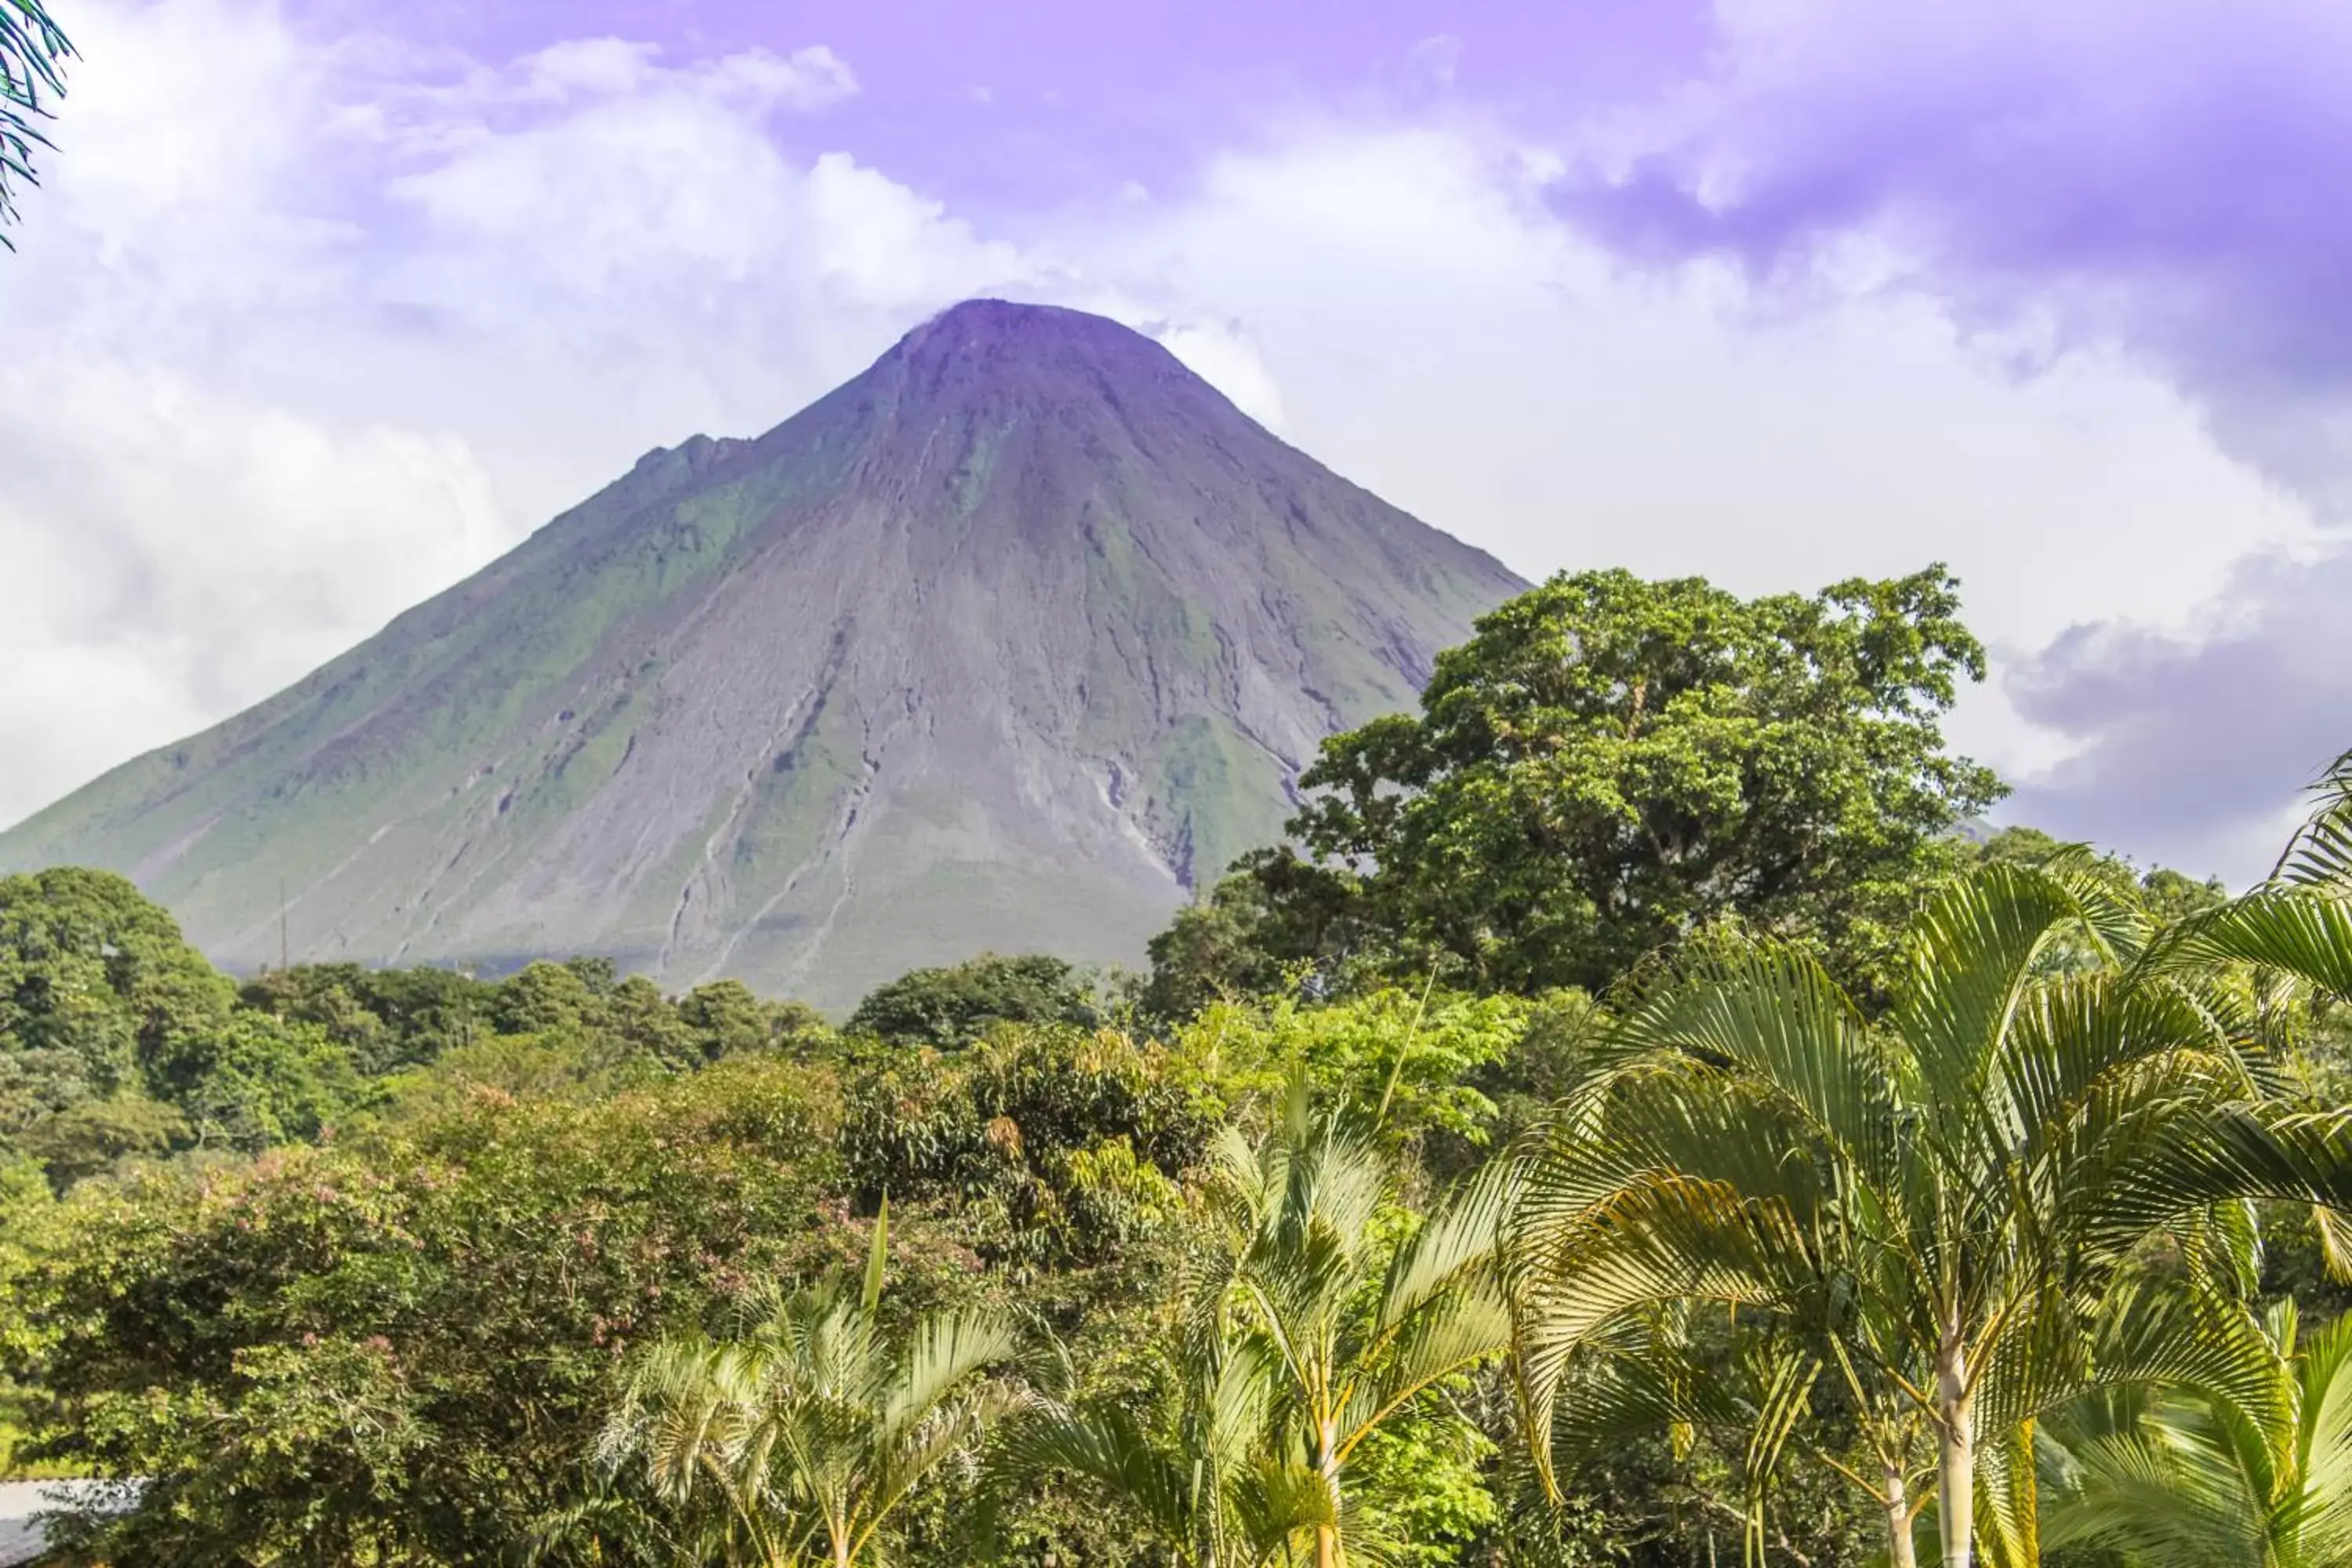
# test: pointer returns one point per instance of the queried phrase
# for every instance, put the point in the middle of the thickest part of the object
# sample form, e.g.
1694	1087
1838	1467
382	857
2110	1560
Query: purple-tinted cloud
2192	743
480	253
2158	177
2165	175
1024	101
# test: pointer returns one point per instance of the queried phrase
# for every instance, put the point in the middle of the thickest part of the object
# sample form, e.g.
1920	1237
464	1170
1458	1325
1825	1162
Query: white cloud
295	363
1439	335
411	321
175	553
806	80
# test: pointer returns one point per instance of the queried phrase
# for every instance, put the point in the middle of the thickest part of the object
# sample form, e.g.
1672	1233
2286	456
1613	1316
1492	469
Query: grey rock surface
1008	643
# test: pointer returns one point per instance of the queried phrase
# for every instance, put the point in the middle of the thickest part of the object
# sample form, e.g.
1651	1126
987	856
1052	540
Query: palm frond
943	1352
1276	1500
1459	1239
33	48
2320	1513
1972	951
1776	1015
2303	934
1448	1336
1109	1447
2008	1503
2319	854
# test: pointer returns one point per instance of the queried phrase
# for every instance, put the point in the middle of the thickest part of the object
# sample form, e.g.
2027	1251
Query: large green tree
100	999
1609	763
1935	1207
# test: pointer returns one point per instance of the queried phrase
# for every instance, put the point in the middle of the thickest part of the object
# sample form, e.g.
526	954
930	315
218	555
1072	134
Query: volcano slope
1007	643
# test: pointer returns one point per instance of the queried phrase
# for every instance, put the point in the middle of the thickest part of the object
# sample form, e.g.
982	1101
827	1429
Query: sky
322	304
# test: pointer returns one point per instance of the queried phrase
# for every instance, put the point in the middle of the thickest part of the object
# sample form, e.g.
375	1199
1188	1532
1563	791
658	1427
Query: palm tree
2319	854
1932	1207
2258	1475
1314	1328
806	1434
31	48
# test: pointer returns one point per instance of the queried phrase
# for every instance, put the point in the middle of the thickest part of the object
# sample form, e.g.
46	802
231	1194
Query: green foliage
547	997
384	1019
1323	1318
398	1349
946	1008
119	1042
2255	1469
2166	895
252	1081
97	1135
1058	1146
1224	946
728	1020
1423	1477
1411	1058
801	1438
1610	764
103	1009
32	48
1940	1211
1275	924
408	1268
97	980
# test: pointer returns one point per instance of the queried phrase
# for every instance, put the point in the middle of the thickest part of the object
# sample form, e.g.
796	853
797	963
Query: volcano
1009	643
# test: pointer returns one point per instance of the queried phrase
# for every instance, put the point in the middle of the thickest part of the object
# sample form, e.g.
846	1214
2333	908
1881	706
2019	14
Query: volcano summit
1004	644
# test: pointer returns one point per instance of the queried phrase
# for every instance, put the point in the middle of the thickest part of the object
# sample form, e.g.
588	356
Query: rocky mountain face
1005	644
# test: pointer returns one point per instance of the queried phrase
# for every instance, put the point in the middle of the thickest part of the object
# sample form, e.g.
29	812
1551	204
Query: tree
97	1135
1609	763
2255	1473
384	1019
951	1007
812	1429
728	1020
100	995
31	47
1933	1207
1060	1146
547	997
1318	1329
400	1348
1269	924
2166	895
252	1081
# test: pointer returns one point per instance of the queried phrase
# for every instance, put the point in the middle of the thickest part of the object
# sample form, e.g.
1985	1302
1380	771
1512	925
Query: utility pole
285	960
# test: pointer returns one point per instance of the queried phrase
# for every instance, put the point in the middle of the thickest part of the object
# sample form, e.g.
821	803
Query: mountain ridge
1006	642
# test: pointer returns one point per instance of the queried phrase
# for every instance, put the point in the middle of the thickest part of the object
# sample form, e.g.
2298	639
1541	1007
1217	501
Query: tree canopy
1893	1179
1610	764
957	1005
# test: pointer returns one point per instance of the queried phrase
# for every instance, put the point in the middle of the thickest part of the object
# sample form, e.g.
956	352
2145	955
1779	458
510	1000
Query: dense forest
1643	1115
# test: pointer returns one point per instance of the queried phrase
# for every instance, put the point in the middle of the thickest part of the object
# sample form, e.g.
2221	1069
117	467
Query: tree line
1641	1116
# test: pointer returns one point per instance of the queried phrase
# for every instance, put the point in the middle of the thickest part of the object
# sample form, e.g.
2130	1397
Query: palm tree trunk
1900	1552
1955	1421
1327	1465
